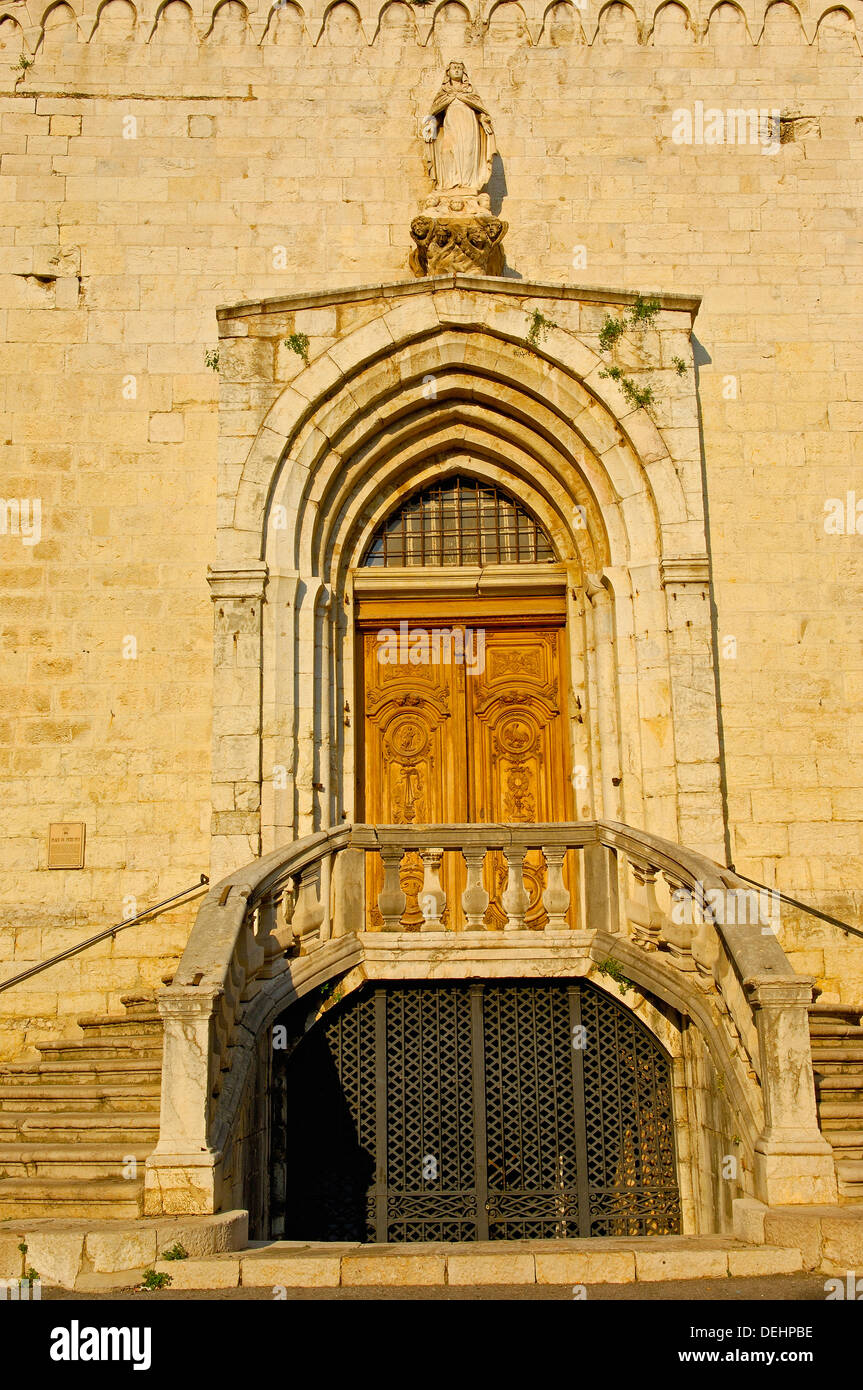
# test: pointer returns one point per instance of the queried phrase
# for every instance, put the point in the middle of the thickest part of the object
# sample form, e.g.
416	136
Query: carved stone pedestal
457	232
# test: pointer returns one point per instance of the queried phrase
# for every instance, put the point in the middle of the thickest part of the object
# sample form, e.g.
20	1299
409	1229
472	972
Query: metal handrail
801	907
102	935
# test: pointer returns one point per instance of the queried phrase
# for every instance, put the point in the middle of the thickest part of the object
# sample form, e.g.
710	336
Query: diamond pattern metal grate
457	1112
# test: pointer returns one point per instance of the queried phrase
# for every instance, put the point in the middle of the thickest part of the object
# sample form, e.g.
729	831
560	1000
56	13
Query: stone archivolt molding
501	23
356	430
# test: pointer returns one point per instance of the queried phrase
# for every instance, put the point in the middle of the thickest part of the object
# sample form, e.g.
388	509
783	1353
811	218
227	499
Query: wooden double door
476	735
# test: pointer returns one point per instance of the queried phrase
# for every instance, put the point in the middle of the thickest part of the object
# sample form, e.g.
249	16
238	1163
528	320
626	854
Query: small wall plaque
66	845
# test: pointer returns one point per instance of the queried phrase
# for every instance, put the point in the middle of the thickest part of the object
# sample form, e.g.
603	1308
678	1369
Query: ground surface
792	1287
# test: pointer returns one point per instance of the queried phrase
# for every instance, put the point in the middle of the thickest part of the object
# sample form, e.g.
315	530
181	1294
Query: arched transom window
460	521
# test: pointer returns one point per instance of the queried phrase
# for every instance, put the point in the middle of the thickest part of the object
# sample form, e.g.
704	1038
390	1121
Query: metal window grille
460	521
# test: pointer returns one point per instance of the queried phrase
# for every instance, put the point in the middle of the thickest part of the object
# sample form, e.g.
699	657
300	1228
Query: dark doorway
480	1111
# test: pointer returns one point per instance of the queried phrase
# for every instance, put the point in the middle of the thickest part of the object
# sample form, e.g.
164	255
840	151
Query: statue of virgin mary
459	136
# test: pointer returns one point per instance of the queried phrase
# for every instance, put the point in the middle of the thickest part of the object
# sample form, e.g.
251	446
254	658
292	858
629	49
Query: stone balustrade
653	912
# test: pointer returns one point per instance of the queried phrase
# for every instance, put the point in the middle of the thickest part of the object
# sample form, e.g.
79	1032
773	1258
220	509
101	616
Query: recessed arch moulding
403	384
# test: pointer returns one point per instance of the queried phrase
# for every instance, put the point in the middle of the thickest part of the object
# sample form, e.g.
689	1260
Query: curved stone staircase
70	1123
837	1061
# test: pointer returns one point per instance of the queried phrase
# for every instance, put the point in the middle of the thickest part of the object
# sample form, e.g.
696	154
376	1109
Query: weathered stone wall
156	164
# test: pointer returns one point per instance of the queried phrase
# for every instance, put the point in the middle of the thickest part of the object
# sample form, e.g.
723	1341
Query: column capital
765	993
238	581
188	1001
684	569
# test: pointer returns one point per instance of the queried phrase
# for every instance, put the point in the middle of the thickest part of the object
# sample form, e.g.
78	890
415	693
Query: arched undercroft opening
472	1110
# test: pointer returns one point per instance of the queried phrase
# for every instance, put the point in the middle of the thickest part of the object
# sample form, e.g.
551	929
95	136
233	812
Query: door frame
456	595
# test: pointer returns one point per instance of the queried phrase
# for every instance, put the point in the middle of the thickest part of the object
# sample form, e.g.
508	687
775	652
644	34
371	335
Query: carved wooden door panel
415	766
446	743
516	751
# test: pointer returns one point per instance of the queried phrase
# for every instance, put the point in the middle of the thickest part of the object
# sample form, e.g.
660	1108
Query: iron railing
187	894
802	907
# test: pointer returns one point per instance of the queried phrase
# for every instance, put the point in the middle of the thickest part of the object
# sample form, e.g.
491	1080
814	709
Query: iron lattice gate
482	1111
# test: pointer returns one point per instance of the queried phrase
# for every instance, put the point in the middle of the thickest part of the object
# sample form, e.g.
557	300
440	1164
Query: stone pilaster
793	1161
238	595
693	698
181	1174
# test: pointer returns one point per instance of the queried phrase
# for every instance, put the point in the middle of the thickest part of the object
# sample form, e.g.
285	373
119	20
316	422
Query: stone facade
158	162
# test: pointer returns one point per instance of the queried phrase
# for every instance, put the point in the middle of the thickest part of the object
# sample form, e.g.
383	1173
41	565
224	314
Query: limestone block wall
158	160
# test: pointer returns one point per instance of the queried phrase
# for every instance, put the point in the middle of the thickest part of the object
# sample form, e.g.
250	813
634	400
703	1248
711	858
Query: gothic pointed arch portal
404	385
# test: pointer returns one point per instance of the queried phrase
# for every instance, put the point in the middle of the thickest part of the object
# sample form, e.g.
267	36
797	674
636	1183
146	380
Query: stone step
841	1012
845	1143
838	1089
75	1128
26	1198
120	1049
114	1072
105	1029
842	1133
836	1052
850	1193
846	1080
850	1170
70	1161
840	1109
599	1260
824	1068
143	1018
827	1029
133	1098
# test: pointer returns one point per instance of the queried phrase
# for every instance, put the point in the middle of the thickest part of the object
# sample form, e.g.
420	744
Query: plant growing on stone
21	67
33	1275
636	395
155	1279
679	366
612	969
640	314
538	327
299	343
176	1252
211	358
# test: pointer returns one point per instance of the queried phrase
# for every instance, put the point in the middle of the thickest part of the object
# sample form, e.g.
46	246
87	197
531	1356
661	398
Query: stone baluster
705	946
349	892
310	909
391	898
678	929
432	897
248	959
267	937
515	898
555	898
644	912
474	899
601	898
326	876
286	931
